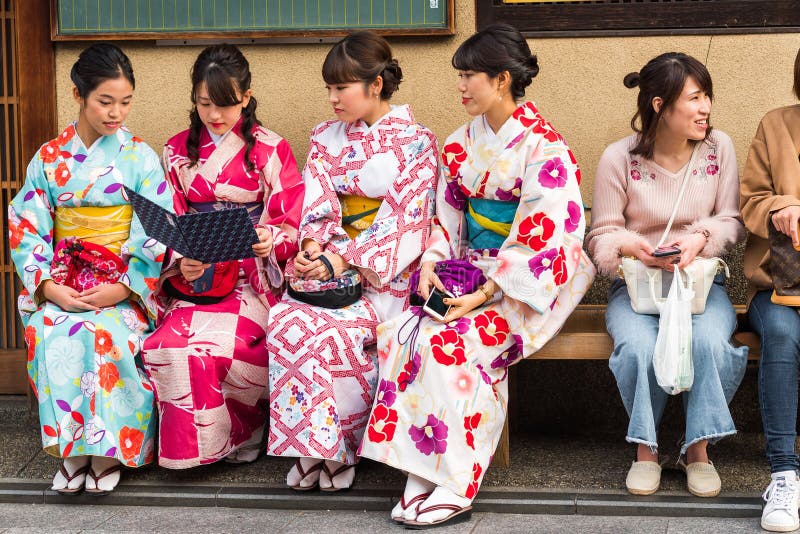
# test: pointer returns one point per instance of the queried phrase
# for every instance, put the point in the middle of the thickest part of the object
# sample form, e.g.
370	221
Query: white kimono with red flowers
441	400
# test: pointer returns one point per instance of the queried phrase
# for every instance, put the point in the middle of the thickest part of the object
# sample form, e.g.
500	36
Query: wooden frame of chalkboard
609	18
299	34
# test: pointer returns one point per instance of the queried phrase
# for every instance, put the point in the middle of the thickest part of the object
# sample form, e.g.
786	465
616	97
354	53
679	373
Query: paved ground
116	519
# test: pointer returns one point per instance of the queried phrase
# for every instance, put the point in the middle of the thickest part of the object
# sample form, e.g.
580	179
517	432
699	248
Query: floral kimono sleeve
142	253
398	234
30	228
544	245
447	227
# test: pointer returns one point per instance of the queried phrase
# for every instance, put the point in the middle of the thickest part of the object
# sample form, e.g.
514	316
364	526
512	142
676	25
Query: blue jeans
718	368
779	328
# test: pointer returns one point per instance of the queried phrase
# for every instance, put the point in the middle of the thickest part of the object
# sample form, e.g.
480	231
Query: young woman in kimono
208	357
509	203
370	177
636	186
95	402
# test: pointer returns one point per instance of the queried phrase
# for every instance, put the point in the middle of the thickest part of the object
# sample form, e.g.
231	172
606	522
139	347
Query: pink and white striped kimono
208	362
322	362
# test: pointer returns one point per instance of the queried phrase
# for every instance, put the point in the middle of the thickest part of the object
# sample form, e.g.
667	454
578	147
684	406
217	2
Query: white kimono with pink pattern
442	398
322	362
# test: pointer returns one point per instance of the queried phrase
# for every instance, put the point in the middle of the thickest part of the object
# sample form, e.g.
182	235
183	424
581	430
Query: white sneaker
782	497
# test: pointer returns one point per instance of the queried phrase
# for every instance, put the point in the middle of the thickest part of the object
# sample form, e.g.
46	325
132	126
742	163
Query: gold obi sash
108	226
358	213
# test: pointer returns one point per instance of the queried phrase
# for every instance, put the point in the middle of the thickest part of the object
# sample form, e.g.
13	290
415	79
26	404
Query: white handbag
648	287
640	279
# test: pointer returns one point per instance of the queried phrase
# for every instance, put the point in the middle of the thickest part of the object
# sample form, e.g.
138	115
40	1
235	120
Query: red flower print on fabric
553	174
453	155
130	442
16	232
472	489
30	341
492	328
102	341
382	424
535	231
62	174
560	273
526	114
409	372
108	375
448	347
50	151
470	424
67	135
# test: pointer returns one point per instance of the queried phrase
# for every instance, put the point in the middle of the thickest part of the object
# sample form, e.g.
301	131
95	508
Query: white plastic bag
672	359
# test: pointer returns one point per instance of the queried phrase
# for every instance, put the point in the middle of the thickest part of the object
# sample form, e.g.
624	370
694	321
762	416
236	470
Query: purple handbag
459	277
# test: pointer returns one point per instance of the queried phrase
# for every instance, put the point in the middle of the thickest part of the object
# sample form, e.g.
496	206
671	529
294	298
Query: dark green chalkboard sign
201	19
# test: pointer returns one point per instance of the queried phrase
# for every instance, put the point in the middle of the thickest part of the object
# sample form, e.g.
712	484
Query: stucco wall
579	88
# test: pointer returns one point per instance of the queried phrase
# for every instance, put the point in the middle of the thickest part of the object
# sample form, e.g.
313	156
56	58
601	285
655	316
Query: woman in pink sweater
637	183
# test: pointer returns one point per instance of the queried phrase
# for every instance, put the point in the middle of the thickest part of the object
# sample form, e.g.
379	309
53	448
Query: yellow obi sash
108	226
358	213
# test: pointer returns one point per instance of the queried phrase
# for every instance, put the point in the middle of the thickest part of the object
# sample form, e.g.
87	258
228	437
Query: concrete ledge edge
491	499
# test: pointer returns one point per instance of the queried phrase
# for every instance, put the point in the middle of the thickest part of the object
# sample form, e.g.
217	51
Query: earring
500	98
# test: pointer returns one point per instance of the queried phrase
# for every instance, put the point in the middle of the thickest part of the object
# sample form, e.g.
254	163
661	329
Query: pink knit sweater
633	198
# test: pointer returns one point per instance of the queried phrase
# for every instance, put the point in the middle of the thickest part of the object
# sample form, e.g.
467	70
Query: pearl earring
500	98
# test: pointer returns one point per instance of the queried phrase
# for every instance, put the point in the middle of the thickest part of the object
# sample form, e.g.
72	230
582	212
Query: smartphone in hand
662	252
435	306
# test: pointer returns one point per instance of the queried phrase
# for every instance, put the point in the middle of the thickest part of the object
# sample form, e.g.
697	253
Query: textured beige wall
579	88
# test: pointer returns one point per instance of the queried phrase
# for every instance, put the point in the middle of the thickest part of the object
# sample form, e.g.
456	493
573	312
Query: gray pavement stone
177	519
535	524
701	525
53	517
326	522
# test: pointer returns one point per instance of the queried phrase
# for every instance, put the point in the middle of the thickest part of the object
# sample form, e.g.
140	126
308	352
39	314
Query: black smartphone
662	252
435	306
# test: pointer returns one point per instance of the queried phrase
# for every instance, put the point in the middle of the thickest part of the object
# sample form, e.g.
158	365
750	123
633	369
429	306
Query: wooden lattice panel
11	169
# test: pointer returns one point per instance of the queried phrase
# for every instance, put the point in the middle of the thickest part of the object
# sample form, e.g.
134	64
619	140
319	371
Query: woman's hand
785	222
428	278
690	245
105	295
263	248
192	269
315	269
463	305
65	297
643	251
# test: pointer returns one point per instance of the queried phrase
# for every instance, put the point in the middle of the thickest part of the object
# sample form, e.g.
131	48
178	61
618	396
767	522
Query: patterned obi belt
358	213
489	222
254	209
108	226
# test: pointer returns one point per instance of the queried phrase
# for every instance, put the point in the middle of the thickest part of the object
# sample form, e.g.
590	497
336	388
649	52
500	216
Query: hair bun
533	65
631	80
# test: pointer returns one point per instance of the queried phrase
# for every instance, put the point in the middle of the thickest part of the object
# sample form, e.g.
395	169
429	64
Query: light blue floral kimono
94	398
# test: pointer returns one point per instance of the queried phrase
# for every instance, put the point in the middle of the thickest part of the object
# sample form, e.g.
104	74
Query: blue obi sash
489	222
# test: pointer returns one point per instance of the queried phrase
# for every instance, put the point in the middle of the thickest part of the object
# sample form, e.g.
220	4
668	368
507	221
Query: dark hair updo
98	63
496	49
664	77
226	72
362	57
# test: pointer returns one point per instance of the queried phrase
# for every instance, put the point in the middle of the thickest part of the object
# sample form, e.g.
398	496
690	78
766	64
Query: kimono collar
401	113
205	134
70	141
